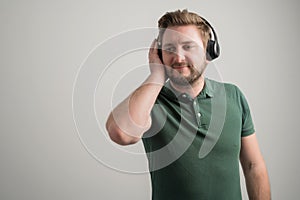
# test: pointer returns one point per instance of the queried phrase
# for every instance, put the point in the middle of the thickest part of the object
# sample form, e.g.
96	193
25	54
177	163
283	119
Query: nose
179	56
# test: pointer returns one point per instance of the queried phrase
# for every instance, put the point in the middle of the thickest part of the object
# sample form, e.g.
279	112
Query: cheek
198	58
166	58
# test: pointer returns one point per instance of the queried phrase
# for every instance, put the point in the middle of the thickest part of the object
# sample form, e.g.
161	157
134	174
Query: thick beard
178	79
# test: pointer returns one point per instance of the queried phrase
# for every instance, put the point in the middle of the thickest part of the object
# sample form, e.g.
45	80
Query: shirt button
195	103
199	114
184	95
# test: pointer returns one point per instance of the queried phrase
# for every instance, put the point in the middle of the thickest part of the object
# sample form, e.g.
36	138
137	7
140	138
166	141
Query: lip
180	67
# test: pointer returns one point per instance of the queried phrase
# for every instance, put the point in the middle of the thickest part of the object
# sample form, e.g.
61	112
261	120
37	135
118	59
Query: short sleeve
247	123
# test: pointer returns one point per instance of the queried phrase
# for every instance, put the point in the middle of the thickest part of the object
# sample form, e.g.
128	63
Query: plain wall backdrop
43	44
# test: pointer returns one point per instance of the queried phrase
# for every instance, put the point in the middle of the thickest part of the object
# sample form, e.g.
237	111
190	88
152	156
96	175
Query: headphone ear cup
212	50
159	51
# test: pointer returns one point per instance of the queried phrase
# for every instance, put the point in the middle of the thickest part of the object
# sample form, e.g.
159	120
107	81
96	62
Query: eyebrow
184	42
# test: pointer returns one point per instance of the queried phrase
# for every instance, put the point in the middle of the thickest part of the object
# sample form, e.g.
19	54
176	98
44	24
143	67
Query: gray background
43	43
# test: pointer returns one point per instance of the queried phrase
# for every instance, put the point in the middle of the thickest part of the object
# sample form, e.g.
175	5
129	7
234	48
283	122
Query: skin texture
183	63
183	55
131	118
257	181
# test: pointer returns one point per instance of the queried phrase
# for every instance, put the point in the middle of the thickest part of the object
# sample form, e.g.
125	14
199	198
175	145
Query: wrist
157	78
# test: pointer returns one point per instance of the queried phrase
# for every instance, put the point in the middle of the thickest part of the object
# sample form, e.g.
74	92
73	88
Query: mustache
181	64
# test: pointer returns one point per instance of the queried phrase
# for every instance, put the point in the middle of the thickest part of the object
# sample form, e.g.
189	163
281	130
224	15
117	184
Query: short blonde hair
181	18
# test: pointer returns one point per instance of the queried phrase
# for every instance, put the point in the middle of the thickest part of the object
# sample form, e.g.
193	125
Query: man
195	130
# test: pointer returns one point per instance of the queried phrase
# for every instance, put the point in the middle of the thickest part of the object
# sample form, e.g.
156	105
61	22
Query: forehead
178	34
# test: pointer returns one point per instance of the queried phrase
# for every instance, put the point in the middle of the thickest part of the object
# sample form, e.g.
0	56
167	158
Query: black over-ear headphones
212	49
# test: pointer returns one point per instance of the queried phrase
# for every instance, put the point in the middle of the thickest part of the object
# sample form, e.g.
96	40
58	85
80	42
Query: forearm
257	181
131	118
141	101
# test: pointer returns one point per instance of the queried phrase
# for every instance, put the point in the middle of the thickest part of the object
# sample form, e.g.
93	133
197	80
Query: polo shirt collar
208	89
206	92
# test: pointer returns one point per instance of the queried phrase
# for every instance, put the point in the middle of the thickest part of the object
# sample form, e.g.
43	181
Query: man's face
183	54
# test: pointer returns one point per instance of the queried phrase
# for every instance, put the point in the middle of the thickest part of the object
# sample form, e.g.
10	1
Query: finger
153	45
155	49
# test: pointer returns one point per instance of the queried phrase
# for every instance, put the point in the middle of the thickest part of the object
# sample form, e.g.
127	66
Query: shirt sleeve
247	123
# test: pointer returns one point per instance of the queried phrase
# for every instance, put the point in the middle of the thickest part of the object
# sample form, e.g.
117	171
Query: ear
206	61
207	58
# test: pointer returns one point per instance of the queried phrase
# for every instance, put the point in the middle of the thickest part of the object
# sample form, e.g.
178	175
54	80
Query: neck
192	90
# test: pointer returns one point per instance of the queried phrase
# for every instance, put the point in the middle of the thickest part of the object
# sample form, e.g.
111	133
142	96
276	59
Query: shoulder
230	89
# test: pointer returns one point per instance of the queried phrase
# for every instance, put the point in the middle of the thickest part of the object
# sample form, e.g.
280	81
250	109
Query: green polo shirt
193	145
